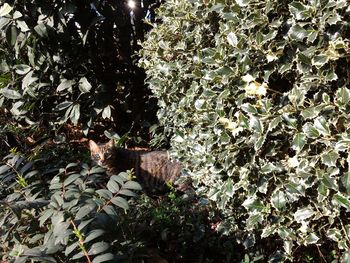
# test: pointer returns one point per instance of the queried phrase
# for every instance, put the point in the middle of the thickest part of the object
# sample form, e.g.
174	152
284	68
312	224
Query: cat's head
101	153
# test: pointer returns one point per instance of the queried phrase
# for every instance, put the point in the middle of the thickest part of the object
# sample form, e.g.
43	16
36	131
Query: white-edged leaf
303	214
84	85
232	39
342	200
65	84
299	141
5	9
10	93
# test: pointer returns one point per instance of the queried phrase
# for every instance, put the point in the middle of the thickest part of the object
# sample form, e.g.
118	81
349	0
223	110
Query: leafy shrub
72	61
61	218
256	97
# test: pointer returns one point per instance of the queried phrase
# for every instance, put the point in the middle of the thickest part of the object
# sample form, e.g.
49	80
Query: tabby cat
153	169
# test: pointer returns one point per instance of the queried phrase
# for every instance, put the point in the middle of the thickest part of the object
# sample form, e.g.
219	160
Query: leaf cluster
256	98
62	215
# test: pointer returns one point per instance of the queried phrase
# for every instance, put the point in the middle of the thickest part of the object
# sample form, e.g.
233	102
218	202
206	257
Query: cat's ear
93	146
110	144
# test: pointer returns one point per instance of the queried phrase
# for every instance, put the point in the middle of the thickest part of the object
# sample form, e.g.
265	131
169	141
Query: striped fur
153	169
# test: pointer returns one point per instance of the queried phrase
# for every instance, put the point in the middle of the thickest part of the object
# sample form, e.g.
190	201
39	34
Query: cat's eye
96	156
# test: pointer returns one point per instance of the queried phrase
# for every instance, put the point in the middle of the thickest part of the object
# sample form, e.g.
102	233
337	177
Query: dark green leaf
98	248
103	258
132	185
11	35
299	142
113	186
121	202
93	235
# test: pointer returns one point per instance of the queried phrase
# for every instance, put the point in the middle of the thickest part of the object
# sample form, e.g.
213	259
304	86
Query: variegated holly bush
255	95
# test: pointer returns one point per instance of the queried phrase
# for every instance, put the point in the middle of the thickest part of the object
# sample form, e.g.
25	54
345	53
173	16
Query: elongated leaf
22	69
299	141
85	210
11	35
103	258
65	84
121	202
303	214
71	179
342	200
98	248
127	192
10	93
4	168
64	105
5	9
93	235
132	185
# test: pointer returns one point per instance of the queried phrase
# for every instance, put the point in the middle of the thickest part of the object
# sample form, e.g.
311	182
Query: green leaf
319	60
104	193
75	114
256	124
41	30
104	258
121	202
299	11
259	142
11	35
310	131
322	126
330	158
342	201
22	69
278	199
64	105
274	123
65	84
71	179
85	210
330	182
10	94
132	185
299	142
342	96
93	235
4	168
303	213
311	239
113	186
297	33
345	179
5	9
127	192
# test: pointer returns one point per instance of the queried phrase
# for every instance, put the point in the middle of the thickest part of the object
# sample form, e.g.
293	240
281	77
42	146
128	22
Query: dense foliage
51	215
74	61
255	95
